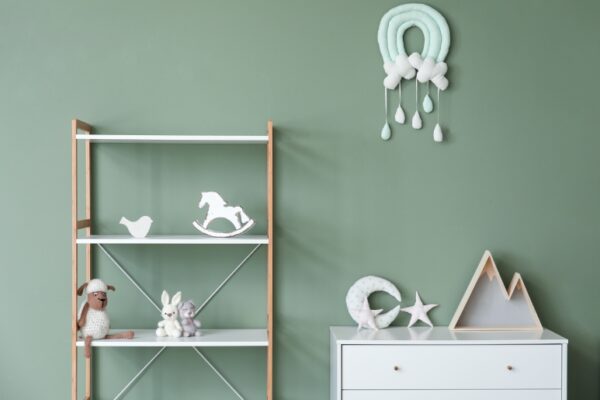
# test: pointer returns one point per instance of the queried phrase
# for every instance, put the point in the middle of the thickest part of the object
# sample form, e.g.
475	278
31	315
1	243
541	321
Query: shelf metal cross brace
208	299
219	374
235	270
129	277
200	308
139	374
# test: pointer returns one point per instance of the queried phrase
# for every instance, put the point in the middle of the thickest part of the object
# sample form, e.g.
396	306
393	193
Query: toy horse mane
213	198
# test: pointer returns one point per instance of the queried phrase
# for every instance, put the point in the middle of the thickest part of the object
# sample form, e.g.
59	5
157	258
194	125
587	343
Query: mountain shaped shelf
488	305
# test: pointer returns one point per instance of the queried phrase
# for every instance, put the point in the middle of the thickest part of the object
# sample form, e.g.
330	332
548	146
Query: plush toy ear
176	298
164	298
110	287
81	289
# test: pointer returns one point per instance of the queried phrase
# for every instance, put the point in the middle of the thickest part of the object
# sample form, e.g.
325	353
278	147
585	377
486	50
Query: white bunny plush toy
169	326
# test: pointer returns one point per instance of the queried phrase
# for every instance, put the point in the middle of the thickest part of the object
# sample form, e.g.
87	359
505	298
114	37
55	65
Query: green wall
519	175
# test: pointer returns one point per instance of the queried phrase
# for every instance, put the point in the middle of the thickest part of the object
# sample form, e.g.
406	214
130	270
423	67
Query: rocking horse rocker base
212	233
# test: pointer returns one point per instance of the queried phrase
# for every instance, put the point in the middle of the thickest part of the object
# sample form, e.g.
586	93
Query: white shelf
172	239
209	338
208	139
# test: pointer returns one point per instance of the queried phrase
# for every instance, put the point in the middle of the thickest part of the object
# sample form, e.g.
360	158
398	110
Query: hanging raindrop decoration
438	136
427	103
399	117
429	66
386	132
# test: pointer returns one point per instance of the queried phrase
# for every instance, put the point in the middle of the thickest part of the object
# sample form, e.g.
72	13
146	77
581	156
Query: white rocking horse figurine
218	208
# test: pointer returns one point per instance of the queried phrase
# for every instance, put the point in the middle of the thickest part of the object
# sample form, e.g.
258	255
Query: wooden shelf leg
75	126
88	253
271	237
74	261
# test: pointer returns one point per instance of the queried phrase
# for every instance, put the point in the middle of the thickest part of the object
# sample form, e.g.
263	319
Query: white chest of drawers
438	364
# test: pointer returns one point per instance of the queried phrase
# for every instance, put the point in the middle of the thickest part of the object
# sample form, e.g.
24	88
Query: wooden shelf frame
76	225
88	239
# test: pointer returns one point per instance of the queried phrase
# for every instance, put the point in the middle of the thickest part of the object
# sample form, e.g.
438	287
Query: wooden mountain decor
488	305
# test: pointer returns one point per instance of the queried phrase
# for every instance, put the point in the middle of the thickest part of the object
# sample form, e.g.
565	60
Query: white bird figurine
138	229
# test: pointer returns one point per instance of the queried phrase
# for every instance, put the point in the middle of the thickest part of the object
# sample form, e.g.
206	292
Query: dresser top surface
441	335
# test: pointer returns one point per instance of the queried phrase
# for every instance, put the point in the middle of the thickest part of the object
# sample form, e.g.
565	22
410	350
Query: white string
386	103
438	106
417	93
400	93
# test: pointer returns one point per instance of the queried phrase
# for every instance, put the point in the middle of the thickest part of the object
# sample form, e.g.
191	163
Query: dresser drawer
451	367
451	395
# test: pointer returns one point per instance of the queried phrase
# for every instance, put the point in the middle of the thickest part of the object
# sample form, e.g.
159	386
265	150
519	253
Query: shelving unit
147	337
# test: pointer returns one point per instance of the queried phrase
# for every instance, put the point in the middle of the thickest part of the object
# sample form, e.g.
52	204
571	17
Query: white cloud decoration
427	67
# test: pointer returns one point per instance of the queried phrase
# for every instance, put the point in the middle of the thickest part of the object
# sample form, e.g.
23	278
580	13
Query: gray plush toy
191	327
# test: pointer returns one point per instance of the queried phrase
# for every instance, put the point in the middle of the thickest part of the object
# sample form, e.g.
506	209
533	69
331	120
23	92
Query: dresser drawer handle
509	367
396	368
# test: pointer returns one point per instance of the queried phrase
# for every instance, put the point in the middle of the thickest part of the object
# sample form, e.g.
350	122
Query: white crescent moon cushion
362	289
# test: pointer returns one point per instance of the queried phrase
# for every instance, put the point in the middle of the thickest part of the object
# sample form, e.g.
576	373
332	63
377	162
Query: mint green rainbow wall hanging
428	67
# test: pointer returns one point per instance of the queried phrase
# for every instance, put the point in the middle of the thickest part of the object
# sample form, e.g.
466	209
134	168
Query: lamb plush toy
92	320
